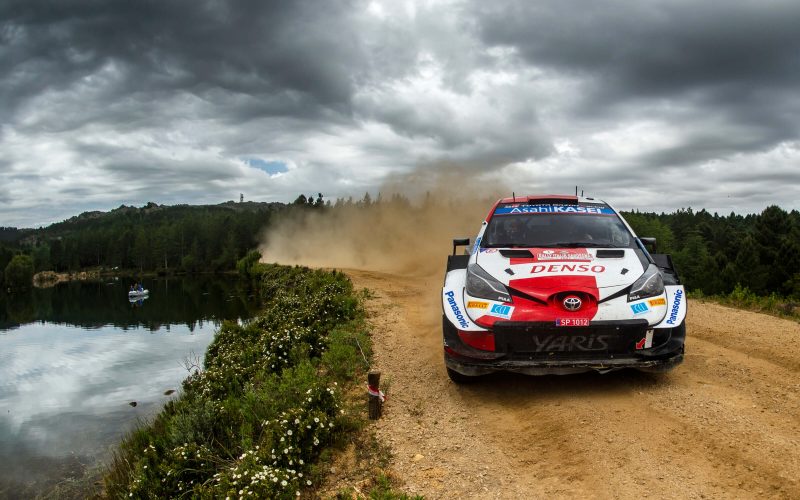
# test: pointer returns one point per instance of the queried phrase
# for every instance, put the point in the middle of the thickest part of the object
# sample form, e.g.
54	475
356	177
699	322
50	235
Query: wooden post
375	403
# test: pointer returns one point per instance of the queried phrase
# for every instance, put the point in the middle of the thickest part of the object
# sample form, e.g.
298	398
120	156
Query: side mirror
650	243
460	242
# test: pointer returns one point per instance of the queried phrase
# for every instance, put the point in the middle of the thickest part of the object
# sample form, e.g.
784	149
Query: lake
81	364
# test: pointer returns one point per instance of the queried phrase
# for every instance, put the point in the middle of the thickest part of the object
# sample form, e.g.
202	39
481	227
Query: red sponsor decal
572	322
554	255
567	268
561	255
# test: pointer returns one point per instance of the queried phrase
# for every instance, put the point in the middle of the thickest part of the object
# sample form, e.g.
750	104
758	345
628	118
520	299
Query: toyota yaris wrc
557	285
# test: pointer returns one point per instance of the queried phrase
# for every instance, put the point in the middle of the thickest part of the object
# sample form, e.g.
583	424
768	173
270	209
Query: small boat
138	293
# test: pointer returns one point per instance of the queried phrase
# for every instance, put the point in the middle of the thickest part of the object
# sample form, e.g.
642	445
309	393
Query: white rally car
556	285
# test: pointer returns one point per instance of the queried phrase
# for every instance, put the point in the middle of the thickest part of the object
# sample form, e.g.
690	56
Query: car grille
545	340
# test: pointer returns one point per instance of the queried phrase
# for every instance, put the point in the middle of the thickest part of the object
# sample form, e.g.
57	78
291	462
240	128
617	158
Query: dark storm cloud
299	57
110	102
776	178
739	61
703	145
474	142
133	170
653	48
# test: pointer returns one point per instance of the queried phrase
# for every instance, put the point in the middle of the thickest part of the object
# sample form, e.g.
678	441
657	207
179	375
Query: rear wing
457	262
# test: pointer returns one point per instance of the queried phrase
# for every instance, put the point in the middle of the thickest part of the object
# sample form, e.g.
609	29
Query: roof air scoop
516	254
611	254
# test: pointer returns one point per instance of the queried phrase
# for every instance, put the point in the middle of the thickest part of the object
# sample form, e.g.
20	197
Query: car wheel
460	378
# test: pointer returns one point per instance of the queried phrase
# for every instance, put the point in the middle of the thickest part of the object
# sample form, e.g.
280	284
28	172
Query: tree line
713	253
157	238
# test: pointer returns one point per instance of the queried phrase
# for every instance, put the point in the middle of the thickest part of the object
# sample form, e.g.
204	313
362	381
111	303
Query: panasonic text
676	307
460	317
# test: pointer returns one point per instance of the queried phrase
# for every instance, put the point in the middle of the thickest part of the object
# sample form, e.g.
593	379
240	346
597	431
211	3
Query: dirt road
724	424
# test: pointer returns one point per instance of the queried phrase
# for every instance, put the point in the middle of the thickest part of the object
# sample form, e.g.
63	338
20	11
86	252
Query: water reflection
95	304
73	357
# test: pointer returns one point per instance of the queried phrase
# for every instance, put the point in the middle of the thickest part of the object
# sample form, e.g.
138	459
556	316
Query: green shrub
744	298
19	272
246	266
382	490
347	353
265	405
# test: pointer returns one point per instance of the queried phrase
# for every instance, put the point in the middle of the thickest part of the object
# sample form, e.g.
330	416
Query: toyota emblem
572	303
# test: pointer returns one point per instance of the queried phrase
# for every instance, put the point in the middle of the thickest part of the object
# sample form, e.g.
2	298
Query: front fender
453	300
676	307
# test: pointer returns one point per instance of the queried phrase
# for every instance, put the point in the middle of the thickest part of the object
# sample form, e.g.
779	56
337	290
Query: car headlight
482	284
649	284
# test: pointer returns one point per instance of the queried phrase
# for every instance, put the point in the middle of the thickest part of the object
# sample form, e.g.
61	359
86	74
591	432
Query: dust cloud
409	230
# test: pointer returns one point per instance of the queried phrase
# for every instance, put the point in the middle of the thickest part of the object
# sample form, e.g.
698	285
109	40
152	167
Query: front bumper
543	348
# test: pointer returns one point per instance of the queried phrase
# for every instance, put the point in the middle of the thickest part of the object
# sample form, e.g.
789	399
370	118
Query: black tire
460	378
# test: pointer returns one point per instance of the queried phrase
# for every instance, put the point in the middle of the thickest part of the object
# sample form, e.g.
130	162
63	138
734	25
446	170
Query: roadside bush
266	404
19	272
744	298
346	345
246	266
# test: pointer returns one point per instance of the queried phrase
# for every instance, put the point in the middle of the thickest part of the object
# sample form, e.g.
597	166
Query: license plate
572	322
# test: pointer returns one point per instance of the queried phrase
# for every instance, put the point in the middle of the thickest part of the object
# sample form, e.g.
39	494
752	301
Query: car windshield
556	230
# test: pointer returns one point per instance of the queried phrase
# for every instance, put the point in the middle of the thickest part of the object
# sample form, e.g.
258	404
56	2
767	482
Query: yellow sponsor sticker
658	302
473	304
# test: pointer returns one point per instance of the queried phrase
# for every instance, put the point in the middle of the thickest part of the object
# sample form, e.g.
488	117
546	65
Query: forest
713	253
152	238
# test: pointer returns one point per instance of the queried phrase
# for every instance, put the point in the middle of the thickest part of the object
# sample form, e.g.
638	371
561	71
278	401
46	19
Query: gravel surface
724	424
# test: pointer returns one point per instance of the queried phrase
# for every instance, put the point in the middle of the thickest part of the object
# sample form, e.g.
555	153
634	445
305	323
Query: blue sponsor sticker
477	245
553	209
639	308
500	310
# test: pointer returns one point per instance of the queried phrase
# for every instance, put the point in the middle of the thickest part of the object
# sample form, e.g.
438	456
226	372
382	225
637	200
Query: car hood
542	269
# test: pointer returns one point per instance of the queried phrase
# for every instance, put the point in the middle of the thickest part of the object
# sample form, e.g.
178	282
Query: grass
381	489
274	398
743	298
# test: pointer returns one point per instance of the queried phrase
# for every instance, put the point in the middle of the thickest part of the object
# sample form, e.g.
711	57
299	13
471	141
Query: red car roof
540	197
532	198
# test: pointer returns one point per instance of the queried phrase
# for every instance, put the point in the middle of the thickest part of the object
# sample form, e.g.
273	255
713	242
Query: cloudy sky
66	388
652	105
